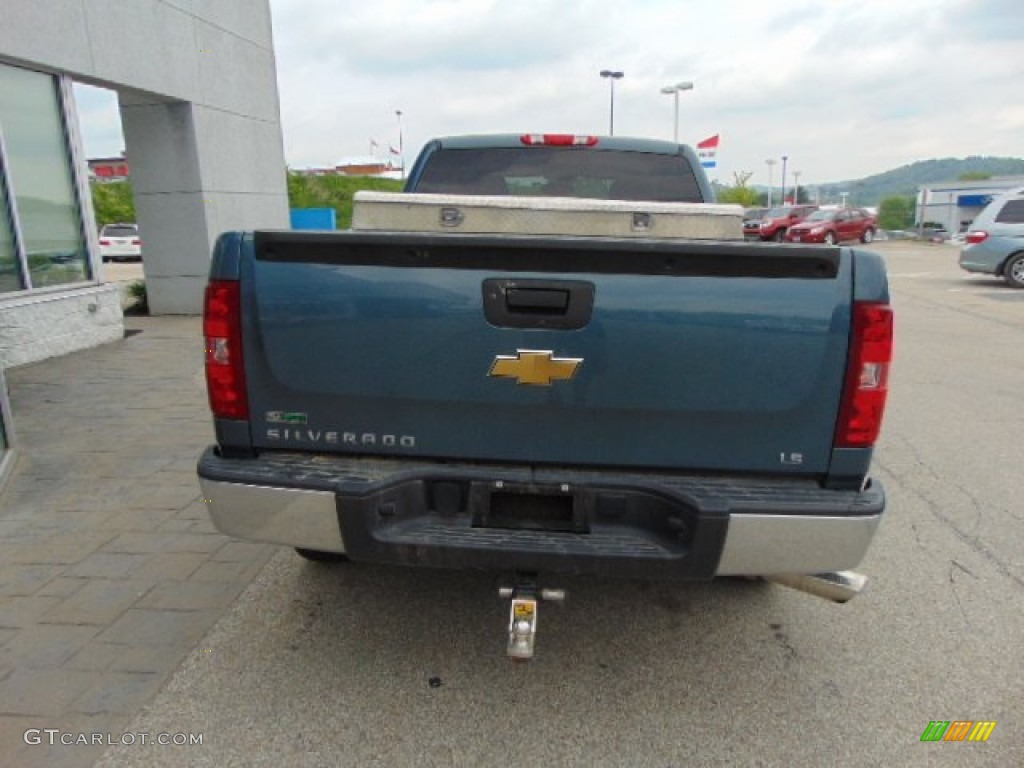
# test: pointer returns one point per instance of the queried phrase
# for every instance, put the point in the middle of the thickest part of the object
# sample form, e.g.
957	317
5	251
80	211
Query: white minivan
995	242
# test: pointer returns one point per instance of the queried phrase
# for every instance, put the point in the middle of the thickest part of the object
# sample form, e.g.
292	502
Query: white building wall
198	96
40	325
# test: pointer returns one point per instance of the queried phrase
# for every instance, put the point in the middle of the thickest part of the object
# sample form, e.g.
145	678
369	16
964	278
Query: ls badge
537	367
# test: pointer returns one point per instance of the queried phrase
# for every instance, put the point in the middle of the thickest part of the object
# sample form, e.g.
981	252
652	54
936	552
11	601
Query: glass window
119	230
10	266
3	431
1012	212
39	170
558	172
5	437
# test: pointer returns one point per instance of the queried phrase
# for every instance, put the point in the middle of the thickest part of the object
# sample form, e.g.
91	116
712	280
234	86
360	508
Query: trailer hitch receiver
522	618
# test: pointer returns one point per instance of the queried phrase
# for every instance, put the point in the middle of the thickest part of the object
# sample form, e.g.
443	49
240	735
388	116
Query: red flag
707	150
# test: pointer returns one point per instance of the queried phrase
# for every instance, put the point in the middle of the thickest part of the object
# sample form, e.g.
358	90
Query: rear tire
779	236
1013	272
830	238
868	236
317	556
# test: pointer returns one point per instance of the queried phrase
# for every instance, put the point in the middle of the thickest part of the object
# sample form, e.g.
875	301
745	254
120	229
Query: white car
120	242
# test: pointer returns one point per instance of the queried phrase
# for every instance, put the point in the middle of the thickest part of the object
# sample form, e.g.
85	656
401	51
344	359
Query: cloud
845	89
981	21
404	38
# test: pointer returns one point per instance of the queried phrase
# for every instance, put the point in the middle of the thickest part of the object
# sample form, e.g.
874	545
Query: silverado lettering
347	438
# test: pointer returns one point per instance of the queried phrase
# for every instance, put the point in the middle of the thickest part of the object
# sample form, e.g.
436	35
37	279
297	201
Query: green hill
906	179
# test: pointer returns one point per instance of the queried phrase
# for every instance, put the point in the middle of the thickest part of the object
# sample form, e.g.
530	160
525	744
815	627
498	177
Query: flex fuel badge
287	417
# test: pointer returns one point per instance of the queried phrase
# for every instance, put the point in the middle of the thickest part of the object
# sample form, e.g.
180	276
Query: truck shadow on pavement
452	626
374	664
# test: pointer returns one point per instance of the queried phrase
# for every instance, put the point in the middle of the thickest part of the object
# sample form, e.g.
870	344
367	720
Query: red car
834	226
778	220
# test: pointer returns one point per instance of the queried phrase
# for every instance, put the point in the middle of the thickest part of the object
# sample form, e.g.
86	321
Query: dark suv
752	223
779	219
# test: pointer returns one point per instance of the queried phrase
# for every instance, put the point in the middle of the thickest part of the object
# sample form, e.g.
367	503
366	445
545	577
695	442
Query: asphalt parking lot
365	666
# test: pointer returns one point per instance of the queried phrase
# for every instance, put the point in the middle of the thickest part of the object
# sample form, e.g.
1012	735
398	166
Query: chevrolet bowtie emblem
538	367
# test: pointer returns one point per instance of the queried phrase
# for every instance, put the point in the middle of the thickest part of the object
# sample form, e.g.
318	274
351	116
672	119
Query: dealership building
197	92
955	204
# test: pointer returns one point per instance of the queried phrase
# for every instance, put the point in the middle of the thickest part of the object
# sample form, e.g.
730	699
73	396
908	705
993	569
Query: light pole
612	77
686	85
770	162
784	159
796	187
401	148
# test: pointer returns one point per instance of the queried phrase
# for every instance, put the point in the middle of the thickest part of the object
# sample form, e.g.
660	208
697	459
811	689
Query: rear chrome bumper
758	545
749	530
298	518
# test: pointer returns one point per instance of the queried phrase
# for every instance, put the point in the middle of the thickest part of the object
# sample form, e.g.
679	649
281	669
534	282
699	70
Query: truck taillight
557	140
867	377
225	369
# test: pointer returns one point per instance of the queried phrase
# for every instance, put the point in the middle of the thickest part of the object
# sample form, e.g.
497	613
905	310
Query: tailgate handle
555	304
546	300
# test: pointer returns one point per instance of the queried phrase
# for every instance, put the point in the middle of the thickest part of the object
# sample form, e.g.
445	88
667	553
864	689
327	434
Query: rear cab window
561	172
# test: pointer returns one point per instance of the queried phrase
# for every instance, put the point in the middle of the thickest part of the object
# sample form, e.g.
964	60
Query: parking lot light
612	77
686	85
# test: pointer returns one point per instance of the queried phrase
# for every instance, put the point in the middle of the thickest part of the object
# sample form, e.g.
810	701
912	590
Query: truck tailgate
583	351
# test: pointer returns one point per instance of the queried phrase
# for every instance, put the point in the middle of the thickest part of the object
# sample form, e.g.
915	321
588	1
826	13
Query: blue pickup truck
540	404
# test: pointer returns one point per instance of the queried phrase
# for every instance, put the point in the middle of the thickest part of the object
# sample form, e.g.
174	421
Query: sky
843	88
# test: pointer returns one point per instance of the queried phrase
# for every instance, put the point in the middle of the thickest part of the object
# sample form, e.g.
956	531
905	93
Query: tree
896	213
740	193
334	192
112	202
745	196
742	177
803	195
974	176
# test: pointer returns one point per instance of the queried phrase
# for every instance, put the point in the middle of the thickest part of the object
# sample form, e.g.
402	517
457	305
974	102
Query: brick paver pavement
110	571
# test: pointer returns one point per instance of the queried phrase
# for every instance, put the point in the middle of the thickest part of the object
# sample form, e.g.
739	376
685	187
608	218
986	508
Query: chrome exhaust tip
838	586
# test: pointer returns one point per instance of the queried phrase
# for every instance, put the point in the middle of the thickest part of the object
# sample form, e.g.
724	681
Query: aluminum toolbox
481	214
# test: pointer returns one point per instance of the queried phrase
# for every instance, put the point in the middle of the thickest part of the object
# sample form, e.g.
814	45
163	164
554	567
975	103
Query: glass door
6	452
